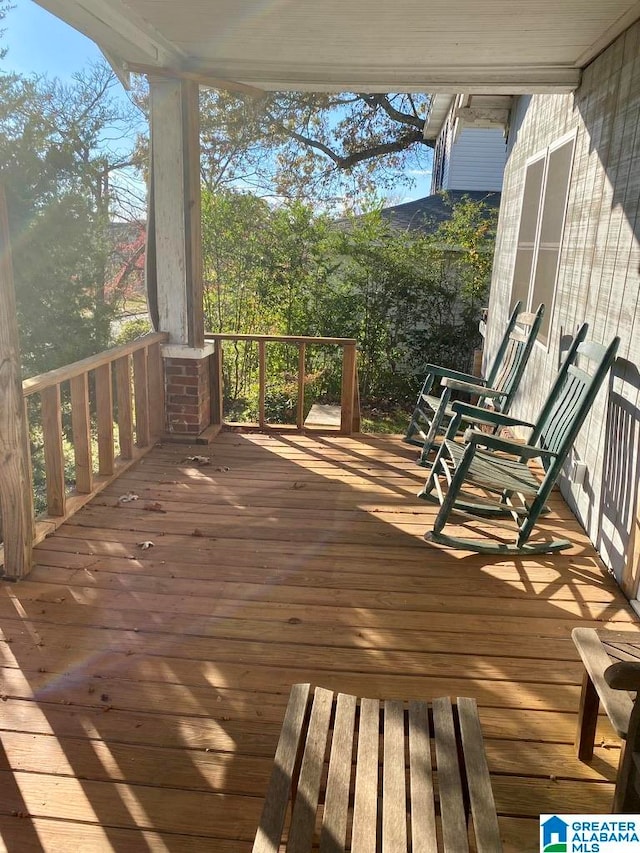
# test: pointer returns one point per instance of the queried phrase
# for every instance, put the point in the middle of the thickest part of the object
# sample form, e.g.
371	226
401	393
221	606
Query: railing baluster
53	455
104	416
262	382
216	381
356	402
123	394
302	351
350	396
17	510
156	390
81	426
348	388
141	397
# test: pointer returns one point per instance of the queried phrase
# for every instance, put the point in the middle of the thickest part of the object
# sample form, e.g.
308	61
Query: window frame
544	155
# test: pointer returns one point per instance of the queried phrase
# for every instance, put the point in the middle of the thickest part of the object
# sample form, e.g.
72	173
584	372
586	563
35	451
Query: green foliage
57	265
132	329
58	176
406	299
311	146
388	420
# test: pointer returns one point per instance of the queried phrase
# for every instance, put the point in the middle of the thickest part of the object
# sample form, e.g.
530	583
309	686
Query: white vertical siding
472	160
477	160
598	279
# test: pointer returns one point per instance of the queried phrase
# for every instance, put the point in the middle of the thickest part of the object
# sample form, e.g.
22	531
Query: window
544	204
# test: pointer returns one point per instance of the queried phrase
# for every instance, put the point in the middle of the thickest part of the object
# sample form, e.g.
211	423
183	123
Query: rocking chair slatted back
571	396
507	370
432	413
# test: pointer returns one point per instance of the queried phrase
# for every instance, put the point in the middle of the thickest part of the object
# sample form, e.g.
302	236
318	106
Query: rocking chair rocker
432	414
499	466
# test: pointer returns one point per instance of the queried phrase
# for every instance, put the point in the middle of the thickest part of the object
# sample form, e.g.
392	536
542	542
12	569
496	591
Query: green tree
312	146
406	299
58	164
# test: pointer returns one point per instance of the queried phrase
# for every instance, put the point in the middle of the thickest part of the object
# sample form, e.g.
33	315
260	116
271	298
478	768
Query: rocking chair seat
497	473
429	402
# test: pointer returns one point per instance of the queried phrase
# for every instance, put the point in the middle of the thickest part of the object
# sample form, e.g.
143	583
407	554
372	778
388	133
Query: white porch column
175	149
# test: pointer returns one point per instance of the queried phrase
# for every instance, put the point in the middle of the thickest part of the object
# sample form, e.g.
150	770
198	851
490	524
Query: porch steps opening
324	415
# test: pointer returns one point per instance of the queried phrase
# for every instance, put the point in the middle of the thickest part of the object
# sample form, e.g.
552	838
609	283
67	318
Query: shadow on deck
144	688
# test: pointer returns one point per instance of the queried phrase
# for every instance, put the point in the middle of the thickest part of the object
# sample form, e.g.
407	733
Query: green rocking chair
498	466
433	414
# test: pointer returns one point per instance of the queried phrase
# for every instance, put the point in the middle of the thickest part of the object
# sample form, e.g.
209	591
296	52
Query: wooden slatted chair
612	678
433	413
625	676
498	466
328	782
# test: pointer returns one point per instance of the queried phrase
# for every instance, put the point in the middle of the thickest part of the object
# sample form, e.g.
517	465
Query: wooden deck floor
143	690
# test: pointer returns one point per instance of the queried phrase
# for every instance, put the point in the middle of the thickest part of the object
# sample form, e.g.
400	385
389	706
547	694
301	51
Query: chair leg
414	424
431	479
458	479
435	426
587	719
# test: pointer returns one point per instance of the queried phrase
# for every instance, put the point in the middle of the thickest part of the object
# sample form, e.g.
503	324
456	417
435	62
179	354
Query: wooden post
630	581
216	378
348	388
125	415
16	499
141	397
302	351
262	382
104	417
356	403
156	390
53	452
81	425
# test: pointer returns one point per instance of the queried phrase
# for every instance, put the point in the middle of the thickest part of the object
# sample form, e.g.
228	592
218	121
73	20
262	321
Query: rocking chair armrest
487	416
436	370
624	675
472	388
507	445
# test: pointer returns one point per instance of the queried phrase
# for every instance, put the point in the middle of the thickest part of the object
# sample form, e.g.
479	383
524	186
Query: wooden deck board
143	691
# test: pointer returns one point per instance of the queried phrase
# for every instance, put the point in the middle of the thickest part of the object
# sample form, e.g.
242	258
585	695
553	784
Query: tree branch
383	103
348	161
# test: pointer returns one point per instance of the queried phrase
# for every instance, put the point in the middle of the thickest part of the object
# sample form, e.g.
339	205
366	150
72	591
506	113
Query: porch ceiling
364	45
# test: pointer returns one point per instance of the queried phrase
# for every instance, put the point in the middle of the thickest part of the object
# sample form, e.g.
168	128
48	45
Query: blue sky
39	43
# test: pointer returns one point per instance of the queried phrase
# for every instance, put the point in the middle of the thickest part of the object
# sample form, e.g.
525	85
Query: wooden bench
625	675
598	651
418	780
612	677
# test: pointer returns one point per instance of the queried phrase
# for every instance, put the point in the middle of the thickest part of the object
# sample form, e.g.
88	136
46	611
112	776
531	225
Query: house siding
472	160
477	160
598	277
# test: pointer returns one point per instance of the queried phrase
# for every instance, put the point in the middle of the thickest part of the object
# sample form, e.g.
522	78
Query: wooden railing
349	396
135	372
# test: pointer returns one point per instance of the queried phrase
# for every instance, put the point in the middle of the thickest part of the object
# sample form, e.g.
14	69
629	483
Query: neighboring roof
463	46
425	214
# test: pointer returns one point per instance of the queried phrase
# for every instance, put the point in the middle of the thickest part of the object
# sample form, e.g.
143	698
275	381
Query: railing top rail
291	339
53	377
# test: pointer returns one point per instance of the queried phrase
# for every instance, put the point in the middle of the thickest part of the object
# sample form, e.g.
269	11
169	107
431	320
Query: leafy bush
407	300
